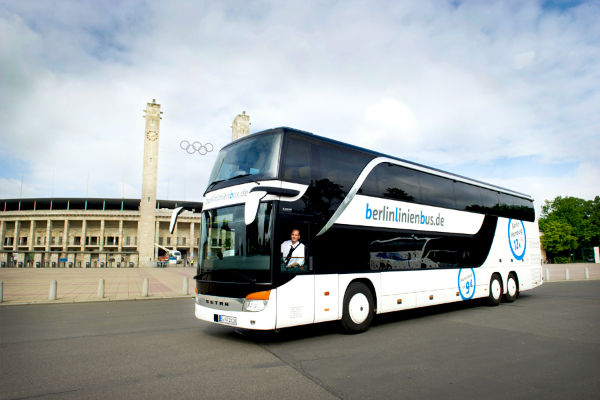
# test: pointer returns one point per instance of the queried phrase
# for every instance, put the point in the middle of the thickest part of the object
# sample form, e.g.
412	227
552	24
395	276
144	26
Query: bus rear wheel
358	308
495	290
512	288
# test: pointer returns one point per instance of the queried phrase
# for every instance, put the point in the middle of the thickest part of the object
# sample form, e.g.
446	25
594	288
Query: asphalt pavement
546	345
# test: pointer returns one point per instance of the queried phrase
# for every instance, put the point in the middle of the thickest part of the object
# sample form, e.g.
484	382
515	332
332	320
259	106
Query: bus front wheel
358	308
495	290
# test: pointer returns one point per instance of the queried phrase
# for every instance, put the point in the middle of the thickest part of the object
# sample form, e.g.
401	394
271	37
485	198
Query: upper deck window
257	156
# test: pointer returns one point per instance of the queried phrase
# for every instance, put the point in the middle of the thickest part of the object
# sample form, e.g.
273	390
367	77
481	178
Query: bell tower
147	224
241	126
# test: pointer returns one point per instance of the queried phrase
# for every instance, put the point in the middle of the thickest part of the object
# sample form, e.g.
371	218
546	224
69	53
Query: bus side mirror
251	206
174	216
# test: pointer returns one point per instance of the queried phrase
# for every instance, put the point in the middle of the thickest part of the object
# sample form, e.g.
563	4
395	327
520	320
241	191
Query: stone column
146	223
87	259
16	240
157	238
103	259
66	235
20	259
71	259
120	235
31	234
176	234
37	258
101	244
83	233
2	234
54	259
192	241
48	231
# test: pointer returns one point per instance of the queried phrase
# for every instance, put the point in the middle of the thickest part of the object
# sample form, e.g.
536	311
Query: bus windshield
257	156
234	251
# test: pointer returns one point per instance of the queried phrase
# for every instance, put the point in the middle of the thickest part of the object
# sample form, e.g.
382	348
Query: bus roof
285	129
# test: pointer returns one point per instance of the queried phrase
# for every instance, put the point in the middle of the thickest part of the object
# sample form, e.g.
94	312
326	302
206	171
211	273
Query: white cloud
523	60
391	116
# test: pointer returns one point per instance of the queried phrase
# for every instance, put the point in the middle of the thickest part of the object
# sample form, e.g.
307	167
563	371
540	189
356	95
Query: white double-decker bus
378	234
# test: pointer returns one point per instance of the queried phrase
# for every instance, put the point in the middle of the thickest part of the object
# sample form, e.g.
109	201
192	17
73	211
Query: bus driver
292	251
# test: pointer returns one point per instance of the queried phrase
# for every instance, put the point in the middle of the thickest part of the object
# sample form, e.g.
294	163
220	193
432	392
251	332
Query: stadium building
98	232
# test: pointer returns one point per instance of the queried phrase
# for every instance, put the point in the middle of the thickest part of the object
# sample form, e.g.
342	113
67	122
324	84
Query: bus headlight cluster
255	305
256	301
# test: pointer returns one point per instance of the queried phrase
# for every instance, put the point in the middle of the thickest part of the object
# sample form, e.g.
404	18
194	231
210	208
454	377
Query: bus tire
512	288
358	308
495	295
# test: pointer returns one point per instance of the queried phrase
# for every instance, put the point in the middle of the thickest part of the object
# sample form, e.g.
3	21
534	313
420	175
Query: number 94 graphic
466	283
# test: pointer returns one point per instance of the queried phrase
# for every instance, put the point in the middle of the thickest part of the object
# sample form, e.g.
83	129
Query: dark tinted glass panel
437	191
328	169
337	166
371	186
505	206
401	183
515	207
297	160
387	250
393	182
524	209
468	197
489	201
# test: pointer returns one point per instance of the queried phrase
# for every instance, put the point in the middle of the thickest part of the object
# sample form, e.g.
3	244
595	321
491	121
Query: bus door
295	298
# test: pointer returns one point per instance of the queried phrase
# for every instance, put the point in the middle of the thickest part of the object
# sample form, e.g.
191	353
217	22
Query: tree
594	221
558	239
570	223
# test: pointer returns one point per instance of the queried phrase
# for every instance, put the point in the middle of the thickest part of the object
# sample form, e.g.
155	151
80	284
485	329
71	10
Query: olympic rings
196	147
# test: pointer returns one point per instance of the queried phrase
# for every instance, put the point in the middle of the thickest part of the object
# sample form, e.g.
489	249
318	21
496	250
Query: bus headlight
256	301
255	305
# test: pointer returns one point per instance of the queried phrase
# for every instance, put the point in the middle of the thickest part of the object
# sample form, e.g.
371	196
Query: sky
506	92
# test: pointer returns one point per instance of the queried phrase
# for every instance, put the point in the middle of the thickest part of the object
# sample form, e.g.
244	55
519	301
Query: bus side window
297	161
293	251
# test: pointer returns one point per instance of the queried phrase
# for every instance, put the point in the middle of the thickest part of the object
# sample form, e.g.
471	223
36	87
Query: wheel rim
358	308
496	289
511	287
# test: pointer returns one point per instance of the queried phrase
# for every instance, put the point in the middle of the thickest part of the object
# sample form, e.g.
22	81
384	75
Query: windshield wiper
226	180
238	176
214	183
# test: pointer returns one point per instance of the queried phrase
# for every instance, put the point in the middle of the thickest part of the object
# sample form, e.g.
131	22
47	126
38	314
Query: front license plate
226	319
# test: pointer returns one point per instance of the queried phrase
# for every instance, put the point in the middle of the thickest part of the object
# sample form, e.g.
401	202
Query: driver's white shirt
297	254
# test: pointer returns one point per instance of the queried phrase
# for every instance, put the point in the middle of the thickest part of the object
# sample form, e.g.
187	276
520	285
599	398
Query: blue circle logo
466	283
517	238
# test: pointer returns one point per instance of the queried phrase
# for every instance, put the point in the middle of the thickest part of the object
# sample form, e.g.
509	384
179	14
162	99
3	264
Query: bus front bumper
229	316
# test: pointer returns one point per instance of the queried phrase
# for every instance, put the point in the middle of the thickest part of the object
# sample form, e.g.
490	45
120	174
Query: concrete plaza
32	285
